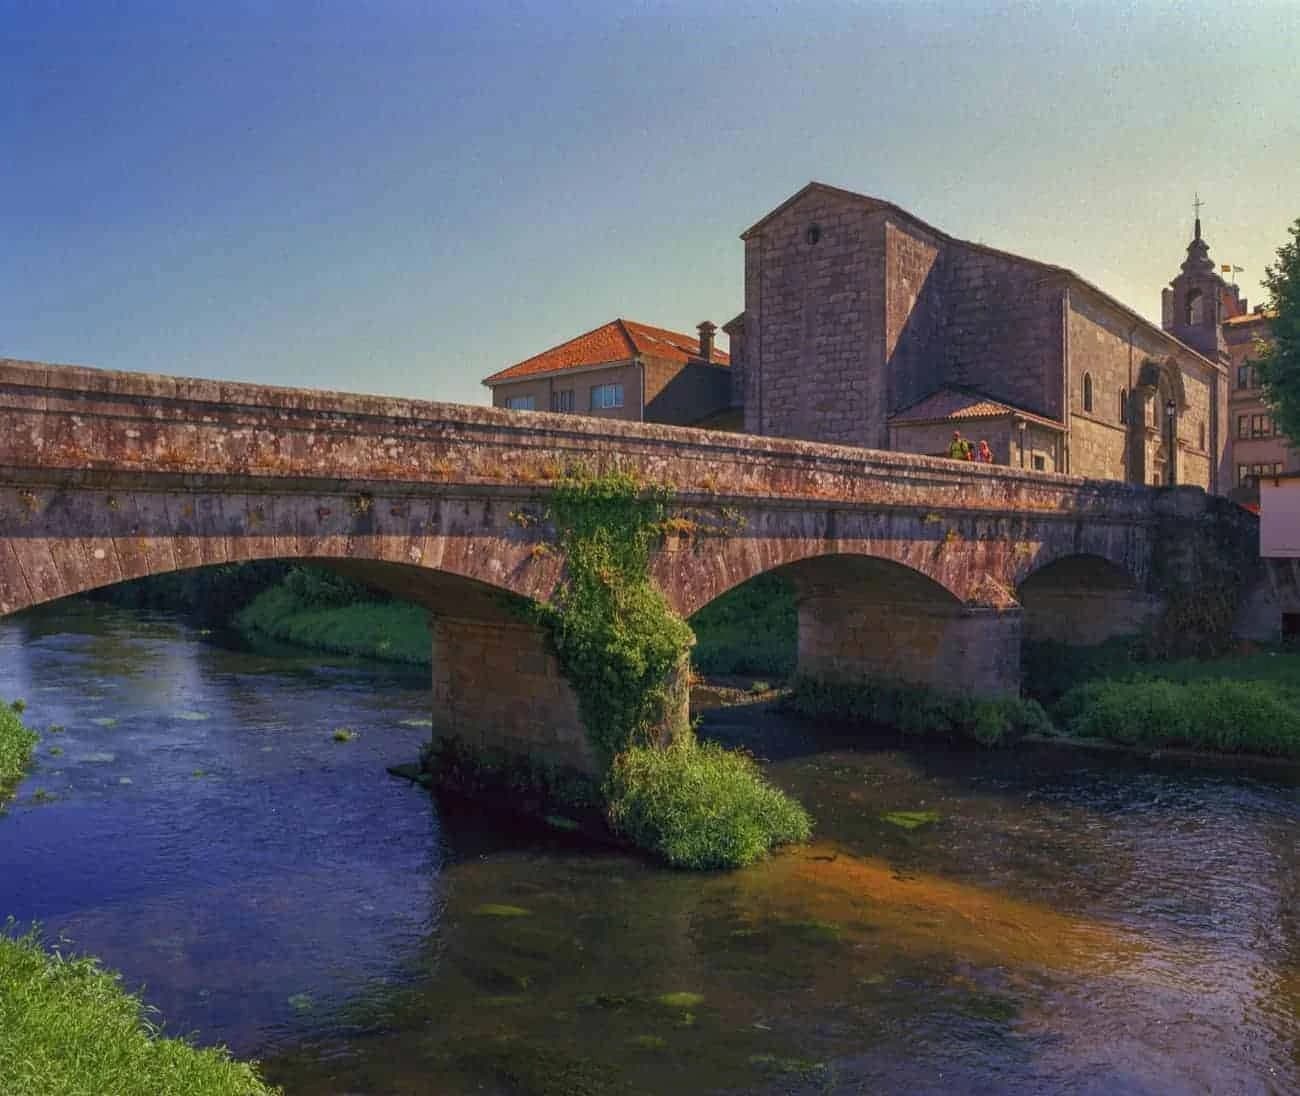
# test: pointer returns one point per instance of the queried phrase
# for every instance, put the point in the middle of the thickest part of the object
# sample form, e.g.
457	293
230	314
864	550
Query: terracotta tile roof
617	341
953	403
1250	317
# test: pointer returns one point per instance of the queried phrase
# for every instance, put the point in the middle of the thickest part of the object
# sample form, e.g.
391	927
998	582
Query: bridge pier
952	647
498	689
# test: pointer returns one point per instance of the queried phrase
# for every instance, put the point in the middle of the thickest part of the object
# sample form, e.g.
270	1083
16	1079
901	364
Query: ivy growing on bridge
621	646
624	651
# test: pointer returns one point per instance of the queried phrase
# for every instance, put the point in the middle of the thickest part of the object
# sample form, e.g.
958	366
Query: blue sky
402	198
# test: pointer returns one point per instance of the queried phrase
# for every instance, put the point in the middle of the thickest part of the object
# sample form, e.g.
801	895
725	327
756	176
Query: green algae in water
499	909
681	999
343	734
559	822
104	721
193	717
415	723
649	1042
821	932
911	820
771	1063
536	1070
97	758
301	1003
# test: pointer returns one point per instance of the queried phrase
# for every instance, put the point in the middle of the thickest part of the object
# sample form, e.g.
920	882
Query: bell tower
1193	305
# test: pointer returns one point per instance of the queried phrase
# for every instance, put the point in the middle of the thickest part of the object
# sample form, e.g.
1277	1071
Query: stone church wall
1003	333
915	297
814	340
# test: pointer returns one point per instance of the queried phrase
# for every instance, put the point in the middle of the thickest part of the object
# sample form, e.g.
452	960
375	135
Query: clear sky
401	197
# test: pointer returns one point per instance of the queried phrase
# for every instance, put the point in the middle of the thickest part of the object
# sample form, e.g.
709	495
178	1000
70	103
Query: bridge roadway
910	566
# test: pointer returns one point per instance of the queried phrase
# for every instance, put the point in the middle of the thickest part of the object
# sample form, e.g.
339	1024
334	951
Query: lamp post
1171	410
1020	427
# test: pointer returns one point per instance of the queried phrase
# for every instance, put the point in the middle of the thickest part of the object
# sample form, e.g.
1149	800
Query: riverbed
965	921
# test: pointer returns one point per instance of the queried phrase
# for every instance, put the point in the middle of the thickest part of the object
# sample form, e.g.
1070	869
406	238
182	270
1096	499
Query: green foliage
1049	670
621	646
390	630
214	594
1233	716
68	1028
751	629
919	710
314	588
16	745
700	806
1280	362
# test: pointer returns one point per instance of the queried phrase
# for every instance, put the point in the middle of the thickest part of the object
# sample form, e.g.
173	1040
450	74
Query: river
968	922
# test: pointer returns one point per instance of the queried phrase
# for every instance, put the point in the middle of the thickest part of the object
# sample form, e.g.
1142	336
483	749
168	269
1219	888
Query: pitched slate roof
617	341
955	403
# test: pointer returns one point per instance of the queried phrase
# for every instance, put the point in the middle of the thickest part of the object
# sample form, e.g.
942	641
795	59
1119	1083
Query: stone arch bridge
926	569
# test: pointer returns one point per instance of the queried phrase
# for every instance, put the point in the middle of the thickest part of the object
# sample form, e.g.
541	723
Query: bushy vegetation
752	629
700	806
918	710
316	609
213	594
69	1028
16	745
1049	670
1246	705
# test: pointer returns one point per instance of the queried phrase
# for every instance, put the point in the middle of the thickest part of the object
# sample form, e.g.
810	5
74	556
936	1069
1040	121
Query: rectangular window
1261	426
1040	462
1247	376
521	403
1243	426
1243	475
605	396
562	400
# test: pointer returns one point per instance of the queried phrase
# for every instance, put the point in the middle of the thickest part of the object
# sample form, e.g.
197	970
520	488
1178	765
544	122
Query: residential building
865	326
626	370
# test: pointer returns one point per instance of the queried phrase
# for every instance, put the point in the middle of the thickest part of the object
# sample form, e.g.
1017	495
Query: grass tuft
701	806
17	742
68	1028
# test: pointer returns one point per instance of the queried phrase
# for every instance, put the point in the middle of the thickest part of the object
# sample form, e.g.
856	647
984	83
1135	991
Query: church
865	326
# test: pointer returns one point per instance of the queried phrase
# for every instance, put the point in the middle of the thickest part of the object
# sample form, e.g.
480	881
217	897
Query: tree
1279	361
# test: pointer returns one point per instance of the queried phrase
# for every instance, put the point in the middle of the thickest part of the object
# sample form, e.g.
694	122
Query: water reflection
1027	924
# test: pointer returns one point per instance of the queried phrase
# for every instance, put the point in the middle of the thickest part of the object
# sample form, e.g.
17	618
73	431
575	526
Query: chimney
706	330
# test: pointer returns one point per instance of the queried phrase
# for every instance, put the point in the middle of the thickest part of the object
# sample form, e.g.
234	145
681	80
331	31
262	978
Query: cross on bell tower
1193	303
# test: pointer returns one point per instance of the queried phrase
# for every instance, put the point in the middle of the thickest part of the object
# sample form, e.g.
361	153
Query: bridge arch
863	616
1083	599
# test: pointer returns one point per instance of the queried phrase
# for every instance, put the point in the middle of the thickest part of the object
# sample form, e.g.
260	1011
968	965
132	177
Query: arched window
1087	391
1123	405
1195	311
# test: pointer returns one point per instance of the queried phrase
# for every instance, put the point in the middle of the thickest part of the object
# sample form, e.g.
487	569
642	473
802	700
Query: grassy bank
315	609
1237	704
16	745
68	1028
918	711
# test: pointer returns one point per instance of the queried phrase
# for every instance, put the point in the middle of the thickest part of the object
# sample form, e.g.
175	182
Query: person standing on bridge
984	454
959	449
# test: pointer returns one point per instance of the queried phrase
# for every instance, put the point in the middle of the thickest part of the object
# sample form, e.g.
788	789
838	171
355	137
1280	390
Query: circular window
813	234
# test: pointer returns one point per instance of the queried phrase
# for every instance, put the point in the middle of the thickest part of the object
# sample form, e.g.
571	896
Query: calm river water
1066	923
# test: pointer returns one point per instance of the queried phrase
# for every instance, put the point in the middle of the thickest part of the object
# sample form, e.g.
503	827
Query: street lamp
1020	426
1171	409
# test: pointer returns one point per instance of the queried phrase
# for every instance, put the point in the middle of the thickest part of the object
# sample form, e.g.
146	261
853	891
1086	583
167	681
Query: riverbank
17	742
68	1027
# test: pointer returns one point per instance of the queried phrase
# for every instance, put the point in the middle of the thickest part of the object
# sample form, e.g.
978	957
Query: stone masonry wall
817	311
497	686
915	301
1004	329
